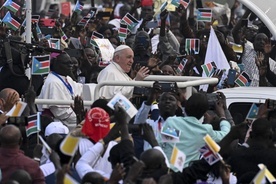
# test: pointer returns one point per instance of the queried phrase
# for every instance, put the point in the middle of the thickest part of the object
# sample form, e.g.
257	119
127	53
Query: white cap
121	47
56	127
115	22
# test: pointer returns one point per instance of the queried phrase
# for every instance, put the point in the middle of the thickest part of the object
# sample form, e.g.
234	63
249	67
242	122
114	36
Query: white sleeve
64	114
86	162
166	159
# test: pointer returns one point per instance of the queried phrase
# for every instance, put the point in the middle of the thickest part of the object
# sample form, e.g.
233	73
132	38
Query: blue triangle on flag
35	65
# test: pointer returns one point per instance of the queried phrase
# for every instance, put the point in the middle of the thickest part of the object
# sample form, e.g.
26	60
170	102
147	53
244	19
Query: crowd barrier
91	91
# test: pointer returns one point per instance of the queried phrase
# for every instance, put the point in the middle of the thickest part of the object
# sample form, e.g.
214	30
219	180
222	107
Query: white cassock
53	88
113	72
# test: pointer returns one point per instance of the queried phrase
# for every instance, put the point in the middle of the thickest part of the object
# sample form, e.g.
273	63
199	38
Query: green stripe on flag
42	71
12	26
206	70
11	9
122	35
240	83
205	19
31	131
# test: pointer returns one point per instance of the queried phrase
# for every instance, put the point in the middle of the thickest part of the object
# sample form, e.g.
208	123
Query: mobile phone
231	77
167	87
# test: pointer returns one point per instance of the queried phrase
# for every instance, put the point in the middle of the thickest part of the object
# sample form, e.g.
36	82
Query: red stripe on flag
14	5
45	63
203	14
243	79
206	154
209	66
127	20
15	23
193	44
31	124
123	30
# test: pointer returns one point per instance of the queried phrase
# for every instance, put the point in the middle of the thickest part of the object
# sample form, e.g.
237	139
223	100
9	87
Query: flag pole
71	160
28	29
37	137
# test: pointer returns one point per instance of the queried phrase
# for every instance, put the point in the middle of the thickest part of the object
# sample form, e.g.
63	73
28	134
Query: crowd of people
114	147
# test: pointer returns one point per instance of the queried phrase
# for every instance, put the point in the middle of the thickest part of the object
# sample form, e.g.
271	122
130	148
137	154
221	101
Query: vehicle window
239	111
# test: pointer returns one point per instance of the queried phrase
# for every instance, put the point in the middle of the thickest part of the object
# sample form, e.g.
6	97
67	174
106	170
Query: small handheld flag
178	158
31	128
12	6
122	32
69	145
10	21
40	65
84	21
192	46
243	79
210	151
209	68
204	14
17	109
78	8
211	144
95	35
54	43
181	65
260	177
130	21
268	174
253	112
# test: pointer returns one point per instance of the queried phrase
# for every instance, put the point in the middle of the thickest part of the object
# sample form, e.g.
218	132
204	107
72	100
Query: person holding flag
191	138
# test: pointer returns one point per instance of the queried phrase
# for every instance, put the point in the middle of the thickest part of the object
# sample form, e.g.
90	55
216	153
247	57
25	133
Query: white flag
215	53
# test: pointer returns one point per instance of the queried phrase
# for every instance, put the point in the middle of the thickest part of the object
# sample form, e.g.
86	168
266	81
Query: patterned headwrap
97	124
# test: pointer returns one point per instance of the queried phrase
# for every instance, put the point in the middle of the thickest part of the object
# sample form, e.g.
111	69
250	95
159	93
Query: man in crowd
12	158
261	44
60	86
192	130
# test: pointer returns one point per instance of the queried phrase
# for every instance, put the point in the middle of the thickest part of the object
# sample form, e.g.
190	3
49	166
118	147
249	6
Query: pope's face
125	59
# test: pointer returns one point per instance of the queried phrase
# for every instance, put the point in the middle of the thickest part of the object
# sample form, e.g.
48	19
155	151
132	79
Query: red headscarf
97	124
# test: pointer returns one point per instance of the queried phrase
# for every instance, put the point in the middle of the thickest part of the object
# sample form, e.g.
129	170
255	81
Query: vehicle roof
250	92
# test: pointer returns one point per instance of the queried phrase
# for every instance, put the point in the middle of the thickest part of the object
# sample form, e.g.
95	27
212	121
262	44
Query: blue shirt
191	136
